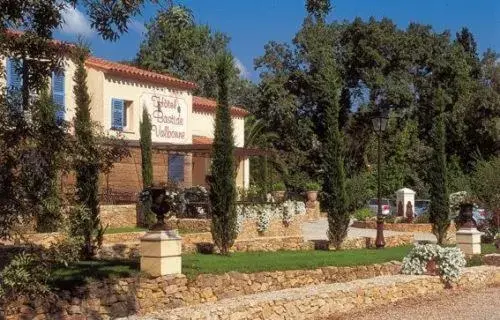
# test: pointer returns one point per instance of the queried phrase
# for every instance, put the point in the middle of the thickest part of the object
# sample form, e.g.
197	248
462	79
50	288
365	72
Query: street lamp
379	122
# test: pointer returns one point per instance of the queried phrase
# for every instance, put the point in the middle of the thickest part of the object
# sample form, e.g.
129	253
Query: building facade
182	124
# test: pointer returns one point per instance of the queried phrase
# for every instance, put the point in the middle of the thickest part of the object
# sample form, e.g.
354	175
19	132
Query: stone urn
160	207
312	196
465	216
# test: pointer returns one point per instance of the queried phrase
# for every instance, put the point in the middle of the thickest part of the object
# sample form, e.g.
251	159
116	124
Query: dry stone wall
121	297
116	216
330	300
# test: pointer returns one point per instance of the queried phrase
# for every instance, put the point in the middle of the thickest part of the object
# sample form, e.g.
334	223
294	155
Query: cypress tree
87	163
439	208
222	180
146	163
326	91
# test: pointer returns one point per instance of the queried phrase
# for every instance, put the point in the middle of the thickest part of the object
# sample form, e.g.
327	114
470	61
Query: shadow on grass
86	271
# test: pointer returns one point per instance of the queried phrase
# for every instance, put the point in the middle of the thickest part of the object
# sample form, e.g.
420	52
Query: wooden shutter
14	76
176	167
58	94
117	114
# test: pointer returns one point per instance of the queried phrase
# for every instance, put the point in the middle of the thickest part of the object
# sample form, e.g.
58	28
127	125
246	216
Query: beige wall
103	88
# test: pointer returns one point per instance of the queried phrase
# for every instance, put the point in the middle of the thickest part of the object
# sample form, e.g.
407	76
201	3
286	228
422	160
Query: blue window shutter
14	76
58	94
117	114
176	167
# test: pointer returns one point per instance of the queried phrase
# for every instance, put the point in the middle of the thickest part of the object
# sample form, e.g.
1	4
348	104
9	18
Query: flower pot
312	196
432	268
466	215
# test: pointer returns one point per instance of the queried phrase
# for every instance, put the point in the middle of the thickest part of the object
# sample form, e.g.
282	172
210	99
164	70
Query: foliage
146	165
222	181
359	189
449	260
94	154
362	214
313	186
439	208
423	218
176	45
263	217
279	186
24	274
486	183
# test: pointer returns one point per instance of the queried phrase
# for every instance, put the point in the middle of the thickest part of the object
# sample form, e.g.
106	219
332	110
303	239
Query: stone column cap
406	190
161	235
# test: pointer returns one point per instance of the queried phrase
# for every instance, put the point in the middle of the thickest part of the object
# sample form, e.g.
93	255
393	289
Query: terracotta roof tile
202	140
202	104
134	72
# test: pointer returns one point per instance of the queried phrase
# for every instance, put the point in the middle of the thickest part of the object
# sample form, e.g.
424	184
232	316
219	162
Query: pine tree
439	209
87	163
222	180
146	164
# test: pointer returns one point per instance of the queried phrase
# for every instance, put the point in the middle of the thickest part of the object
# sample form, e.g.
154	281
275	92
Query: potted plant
312	189
279	190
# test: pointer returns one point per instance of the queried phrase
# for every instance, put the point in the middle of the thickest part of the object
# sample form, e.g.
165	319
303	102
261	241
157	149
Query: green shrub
362	214
279	186
313	186
424	218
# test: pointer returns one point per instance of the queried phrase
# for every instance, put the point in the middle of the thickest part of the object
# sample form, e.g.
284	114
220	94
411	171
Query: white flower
449	260
300	207
263	218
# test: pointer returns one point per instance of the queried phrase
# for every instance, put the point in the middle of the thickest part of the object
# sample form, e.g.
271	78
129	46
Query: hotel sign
168	117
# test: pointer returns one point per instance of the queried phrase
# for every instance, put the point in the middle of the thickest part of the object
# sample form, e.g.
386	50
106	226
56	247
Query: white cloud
75	22
137	26
241	67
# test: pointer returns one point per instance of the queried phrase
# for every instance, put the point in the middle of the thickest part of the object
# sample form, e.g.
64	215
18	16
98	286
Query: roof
202	140
201	104
121	69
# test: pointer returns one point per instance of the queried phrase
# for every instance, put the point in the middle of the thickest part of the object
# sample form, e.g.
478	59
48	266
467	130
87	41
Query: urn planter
312	196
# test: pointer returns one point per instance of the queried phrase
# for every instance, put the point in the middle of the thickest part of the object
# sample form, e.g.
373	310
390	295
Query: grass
246	262
139	229
124	230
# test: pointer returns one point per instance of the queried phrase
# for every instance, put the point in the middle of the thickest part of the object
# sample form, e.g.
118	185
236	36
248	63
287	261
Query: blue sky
252	23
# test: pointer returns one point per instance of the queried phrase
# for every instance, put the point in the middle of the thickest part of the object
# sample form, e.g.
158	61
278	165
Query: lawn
246	262
124	230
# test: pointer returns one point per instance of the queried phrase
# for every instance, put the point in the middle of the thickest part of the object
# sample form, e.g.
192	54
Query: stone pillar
161	253
469	240
404	196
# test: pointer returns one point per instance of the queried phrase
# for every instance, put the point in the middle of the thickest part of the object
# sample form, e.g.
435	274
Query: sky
253	23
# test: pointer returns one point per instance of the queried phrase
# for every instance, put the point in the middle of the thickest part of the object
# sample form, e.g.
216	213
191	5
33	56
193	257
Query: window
118	114
175	167
58	94
14	74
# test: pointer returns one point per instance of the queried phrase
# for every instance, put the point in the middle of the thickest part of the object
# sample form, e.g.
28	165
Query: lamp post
379	125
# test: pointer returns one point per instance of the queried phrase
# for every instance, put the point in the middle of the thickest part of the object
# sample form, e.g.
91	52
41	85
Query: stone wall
122	297
116	216
331	300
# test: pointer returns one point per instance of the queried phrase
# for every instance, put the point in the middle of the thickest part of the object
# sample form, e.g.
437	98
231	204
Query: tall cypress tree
326	89
146	151
439	209
222	181
87	163
146	164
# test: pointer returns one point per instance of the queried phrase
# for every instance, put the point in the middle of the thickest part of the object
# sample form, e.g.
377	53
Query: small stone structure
469	240
404	196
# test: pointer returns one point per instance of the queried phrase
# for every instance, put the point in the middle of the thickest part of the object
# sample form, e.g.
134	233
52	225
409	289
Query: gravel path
316	230
452	305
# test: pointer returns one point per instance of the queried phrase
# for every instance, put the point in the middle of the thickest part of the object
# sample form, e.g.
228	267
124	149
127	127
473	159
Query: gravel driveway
451	305
316	230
